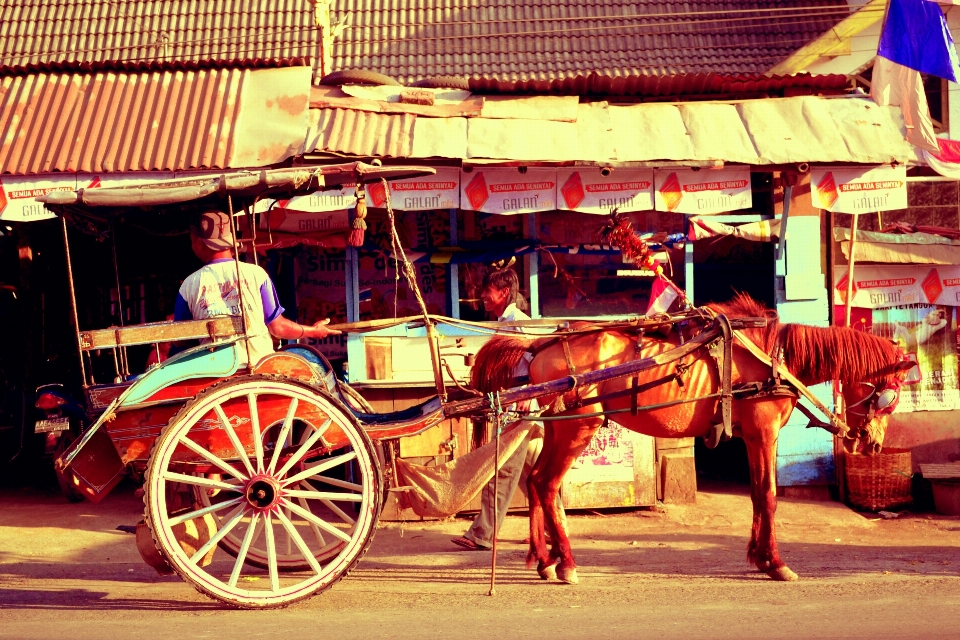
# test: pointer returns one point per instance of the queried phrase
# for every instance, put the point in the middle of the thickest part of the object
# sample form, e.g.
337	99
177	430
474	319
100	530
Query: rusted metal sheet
361	133
170	119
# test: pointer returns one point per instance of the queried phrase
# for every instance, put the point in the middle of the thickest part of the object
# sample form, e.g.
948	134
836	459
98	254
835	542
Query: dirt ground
679	572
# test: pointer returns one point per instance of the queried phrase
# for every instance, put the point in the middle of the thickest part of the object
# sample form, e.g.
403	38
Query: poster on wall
703	192
18	195
321	281
507	190
859	190
608	457
927	334
439	191
877	286
588	191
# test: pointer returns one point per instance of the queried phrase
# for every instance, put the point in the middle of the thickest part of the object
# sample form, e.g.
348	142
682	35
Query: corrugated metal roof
74	66
161	120
544	40
759	132
361	133
33	31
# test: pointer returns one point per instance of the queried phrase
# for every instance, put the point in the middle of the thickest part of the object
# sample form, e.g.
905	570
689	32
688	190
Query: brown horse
870	368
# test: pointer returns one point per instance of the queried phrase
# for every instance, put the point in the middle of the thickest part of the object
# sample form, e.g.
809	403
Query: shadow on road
83	599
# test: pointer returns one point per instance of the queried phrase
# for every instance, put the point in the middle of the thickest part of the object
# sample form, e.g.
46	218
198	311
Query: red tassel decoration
359	226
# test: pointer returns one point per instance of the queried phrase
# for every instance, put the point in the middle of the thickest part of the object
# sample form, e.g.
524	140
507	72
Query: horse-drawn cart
263	480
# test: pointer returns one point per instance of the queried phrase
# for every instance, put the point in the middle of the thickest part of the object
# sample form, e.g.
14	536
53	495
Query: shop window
578	277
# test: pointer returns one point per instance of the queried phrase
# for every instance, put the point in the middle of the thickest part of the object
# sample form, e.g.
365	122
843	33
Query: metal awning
848	129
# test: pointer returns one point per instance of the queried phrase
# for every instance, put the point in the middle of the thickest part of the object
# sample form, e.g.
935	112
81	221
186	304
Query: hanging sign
293	221
587	191
316	202
439	191
859	190
18	195
704	192
878	286
508	191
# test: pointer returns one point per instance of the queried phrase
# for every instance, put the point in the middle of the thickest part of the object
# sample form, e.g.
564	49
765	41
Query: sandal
468	544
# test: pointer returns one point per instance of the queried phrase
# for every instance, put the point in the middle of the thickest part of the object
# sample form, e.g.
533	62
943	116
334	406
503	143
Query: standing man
212	290
501	297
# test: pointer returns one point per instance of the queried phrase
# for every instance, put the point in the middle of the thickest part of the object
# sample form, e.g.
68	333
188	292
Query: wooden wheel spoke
304	448
324	495
284	432
294	535
271	553
172	476
340	512
316	530
320	468
343	484
255	430
199	513
310	517
234	440
232	520
211	457
244	548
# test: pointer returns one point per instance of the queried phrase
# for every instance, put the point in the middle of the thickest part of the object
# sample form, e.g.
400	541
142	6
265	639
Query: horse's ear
904	365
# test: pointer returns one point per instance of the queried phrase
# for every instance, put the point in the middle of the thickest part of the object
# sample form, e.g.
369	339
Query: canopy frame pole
73	299
851	263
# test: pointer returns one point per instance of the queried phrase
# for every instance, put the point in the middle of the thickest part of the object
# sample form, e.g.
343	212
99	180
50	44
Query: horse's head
868	408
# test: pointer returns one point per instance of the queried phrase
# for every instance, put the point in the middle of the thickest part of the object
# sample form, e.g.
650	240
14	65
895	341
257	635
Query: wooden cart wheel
287	472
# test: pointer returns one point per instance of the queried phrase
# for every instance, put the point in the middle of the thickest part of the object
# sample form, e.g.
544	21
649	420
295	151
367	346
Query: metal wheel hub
262	492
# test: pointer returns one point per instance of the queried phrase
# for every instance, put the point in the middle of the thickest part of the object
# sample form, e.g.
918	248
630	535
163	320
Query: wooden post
851	262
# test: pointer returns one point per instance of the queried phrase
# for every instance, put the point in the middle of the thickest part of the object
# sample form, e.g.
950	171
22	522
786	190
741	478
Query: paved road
65	572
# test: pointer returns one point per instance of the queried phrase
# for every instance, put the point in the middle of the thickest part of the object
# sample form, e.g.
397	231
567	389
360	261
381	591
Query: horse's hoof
568	575
548	573
783	574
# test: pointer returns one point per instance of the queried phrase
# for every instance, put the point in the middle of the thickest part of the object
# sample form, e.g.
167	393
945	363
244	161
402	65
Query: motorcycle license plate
53	424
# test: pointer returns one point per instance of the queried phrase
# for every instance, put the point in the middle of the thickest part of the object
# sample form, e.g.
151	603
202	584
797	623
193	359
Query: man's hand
289	330
320	330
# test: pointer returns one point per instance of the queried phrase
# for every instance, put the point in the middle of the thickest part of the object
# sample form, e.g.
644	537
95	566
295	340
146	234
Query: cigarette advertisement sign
879	286
316	202
439	191
18	195
587	191
703	192
927	334
859	190
508	190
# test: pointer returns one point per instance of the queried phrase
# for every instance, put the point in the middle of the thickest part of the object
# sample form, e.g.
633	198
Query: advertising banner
608	457
18	195
316	202
859	190
878	286
439	191
703	192
293	221
928	336
508	191
321	276
587	191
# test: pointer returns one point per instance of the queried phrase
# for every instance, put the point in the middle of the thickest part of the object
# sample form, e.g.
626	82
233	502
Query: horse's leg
537	555
564	442
760	430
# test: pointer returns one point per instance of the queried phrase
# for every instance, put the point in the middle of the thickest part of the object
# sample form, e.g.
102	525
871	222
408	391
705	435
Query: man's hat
213	228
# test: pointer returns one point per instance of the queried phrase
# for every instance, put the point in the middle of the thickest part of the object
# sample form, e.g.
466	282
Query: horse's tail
493	368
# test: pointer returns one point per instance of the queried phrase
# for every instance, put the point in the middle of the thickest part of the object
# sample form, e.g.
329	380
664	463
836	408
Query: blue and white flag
916	36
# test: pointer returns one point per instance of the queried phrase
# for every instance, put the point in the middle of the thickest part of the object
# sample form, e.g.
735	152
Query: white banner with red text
587	190
703	192
878	286
859	189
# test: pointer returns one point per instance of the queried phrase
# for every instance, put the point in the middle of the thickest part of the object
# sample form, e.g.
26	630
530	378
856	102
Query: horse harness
720	350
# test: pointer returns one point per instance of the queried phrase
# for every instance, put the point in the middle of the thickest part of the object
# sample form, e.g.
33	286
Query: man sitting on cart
212	290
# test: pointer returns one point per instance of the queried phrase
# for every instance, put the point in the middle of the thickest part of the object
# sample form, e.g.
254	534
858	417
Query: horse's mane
496	361
818	354
743	306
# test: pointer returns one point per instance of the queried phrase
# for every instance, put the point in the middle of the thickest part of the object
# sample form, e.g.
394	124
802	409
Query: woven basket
879	482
